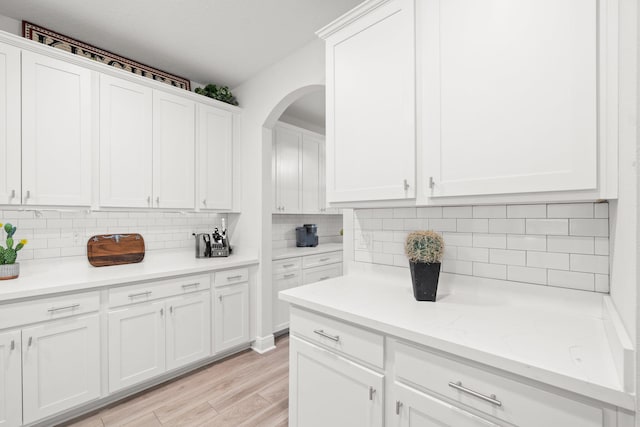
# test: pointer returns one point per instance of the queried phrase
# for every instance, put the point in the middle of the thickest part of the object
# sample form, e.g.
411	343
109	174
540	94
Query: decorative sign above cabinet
50	38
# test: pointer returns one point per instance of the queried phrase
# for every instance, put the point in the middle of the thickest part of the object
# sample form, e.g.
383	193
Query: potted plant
9	268
424	250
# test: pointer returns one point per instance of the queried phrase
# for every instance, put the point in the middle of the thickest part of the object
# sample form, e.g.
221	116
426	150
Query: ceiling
208	41
310	109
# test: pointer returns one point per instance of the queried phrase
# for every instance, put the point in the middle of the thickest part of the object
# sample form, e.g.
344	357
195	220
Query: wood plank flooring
247	389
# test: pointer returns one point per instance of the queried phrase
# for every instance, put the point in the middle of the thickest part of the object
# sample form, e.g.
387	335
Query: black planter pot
425	280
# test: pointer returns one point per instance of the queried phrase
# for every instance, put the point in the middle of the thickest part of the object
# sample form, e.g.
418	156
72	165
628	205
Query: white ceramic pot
9	271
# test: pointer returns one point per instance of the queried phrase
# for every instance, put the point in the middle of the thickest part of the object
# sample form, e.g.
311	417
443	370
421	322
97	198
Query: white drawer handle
66	307
288	265
141	294
324	278
324	259
191	285
239	276
491	399
322	333
288	276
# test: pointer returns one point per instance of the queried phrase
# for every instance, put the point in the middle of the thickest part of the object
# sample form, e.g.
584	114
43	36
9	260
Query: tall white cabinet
10	149
286	146
56	131
10	379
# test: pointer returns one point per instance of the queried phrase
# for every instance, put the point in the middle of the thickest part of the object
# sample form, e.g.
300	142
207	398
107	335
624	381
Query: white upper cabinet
310	159
286	144
510	95
10	125
215	145
371	134
173	151
125	143
56	132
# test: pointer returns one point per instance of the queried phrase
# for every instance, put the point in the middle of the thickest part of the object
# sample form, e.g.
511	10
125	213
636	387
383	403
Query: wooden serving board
115	249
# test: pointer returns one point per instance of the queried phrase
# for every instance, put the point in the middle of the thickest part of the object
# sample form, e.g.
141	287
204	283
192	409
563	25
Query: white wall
263	98
10	25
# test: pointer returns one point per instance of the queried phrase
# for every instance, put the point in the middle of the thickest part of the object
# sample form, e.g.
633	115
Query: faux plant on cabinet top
9	254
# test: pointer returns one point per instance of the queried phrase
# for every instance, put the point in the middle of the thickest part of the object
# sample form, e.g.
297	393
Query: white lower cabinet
415	409
188	329
231	316
60	366
330	390
10	379
282	282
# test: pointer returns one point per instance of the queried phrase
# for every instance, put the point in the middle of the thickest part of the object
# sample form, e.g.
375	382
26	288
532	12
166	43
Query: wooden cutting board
115	249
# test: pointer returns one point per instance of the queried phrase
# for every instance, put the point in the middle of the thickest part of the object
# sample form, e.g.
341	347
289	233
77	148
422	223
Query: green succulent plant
221	93
424	246
9	254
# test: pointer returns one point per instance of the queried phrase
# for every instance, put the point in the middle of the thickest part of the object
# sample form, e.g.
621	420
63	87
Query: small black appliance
307	236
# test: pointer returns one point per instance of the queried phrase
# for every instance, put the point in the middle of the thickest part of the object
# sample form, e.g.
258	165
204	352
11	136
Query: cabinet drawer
48	308
228	277
162	289
321	259
318	274
520	404
361	344
287	265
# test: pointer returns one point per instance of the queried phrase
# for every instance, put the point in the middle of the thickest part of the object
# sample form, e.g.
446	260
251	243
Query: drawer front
154	290
351	340
318	274
287	265
229	277
519	403
48	309
321	259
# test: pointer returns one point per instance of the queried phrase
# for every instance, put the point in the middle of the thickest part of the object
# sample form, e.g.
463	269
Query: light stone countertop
552	335
46	277
296	252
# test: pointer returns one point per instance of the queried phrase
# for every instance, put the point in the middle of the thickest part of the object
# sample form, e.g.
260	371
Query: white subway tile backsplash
547	226
563	244
367	230
589	227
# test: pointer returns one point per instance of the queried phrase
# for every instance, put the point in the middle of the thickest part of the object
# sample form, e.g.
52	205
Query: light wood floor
247	389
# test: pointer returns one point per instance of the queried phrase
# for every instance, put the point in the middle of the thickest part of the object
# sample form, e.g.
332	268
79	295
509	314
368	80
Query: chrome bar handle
324	278
398	406
140	294
324	259
30	342
372	391
432	183
13	345
491	399
220	297
13	194
27	196
170	309
322	333
288	265
66	307
148	200
204	202
290	275
162	312
239	276
190	285
158	200
406	185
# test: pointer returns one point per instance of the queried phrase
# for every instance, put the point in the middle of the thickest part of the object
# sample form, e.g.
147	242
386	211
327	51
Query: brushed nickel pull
239	276
288	276
13	194
140	294
66	307
190	285
372	391
171	309
406	185
288	265
27	196
324	259
162	312
148	200
398	406
204	202
30	342
491	399
322	333
13	345
432	183
158	200
324	278
220	298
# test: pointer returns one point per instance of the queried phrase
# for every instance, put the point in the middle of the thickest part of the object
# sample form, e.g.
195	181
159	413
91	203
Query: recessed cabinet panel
371	107
215	141
231	318
61	366
310	158
188	329
510	100
287	147
173	151
125	143
10	379
56	132
10	149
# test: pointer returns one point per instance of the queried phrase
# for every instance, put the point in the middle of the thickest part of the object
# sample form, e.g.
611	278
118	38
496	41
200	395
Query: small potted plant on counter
9	268
424	250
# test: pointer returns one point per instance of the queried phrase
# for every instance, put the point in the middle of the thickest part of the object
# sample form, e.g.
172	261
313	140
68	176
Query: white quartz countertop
555	336
44	277
296	252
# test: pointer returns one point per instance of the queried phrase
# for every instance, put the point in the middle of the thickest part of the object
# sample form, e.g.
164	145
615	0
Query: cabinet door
287	145
506	109
10	379
215	142
371	138
310	158
329	390
60	366
136	344
188	329
173	151
231	316
416	409
282	282
125	143
10	149
56	132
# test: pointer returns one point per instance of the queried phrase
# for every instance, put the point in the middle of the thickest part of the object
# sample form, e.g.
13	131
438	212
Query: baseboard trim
264	344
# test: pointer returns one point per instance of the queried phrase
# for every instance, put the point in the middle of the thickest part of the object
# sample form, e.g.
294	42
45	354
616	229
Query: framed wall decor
59	41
